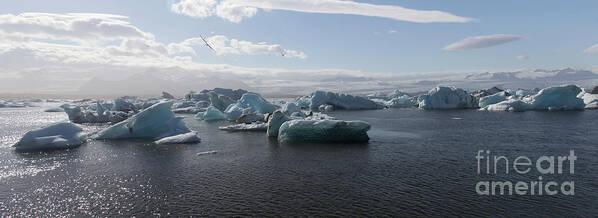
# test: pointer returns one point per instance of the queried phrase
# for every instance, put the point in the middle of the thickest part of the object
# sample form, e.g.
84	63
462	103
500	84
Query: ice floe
55	136
155	122
323	131
338	101
446	98
212	113
186	138
244	127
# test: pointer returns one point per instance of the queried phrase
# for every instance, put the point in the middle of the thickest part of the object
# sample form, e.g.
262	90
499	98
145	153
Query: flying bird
207	44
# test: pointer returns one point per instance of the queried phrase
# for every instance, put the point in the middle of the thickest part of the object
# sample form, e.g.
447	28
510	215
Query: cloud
478	42
522	57
392	31
73	27
225	46
592	49
237	10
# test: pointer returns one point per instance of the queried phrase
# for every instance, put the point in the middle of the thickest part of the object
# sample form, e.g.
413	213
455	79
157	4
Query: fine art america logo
545	166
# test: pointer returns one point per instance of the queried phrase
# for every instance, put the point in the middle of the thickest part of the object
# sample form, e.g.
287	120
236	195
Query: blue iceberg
323	131
56	136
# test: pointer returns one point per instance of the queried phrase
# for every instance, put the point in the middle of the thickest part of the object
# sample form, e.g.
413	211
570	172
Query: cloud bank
237	10
225	46
478	42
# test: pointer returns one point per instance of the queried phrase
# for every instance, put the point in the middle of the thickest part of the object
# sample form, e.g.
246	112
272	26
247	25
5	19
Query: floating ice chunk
551	98
400	102
207	152
326	108
513	105
591	100
54	109
446	98
190	137
290	108
249	103
155	122
242	127
250	118
167	95
212	113
558	98
275	121
323	131
220	101
493	99
56	136
122	104
339	101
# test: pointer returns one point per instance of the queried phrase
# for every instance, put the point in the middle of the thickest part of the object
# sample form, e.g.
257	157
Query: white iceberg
275	121
244	127
551	98
591	100
323	131
339	101
400	102
212	113
186	138
513	105
446	98
290	108
249	103
155	122
492	99
56	136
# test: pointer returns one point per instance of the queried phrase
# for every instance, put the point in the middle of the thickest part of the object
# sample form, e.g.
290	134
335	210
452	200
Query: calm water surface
418	163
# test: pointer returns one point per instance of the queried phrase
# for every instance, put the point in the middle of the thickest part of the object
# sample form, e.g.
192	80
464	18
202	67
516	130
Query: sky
259	38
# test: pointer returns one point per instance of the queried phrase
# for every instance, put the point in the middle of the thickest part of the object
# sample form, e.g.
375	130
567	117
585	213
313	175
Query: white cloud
592	49
481	42
237	10
73	27
522	57
392	31
225	46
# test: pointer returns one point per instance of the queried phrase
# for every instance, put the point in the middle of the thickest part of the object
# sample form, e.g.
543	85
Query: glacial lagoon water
417	163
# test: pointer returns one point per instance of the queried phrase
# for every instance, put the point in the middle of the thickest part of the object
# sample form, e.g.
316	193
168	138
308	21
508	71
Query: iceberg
244	127
95	113
54	109
220	101
186	138
249	103
326	108
493	99
591	100
290	108
275	121
558	98
513	105
338	101
446	98
56	136
212	113
551	98
400	102
166	95
155	122
250	118
323	131
594	90
121	104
